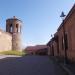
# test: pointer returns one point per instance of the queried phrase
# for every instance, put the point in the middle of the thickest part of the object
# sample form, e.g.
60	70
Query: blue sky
41	18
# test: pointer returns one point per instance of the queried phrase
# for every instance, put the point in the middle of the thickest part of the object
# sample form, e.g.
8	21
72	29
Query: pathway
30	65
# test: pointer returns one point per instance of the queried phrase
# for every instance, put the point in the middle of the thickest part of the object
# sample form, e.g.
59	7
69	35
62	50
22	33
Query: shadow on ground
29	65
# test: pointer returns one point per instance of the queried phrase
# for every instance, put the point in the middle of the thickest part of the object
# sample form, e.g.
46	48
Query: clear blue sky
41	18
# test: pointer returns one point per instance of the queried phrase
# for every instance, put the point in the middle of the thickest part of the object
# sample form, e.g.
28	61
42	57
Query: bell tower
13	26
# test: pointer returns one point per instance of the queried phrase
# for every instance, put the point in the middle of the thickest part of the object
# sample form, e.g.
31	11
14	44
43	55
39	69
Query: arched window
17	27
11	28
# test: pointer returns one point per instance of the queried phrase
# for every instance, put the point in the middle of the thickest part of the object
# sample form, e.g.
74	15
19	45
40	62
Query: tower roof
13	18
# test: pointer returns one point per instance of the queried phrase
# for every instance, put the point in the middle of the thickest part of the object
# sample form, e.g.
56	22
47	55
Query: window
52	50
66	42
62	43
17	27
11	28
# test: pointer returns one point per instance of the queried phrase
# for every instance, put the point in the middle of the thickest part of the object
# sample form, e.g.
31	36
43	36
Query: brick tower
13	26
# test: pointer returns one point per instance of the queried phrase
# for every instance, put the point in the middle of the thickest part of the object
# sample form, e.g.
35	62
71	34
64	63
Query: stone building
58	40
37	50
53	45
11	40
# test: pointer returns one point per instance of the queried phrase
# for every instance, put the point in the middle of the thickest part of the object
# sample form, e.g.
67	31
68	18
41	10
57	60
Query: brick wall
69	27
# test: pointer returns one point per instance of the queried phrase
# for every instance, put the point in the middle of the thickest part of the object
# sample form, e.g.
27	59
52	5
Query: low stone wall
5	41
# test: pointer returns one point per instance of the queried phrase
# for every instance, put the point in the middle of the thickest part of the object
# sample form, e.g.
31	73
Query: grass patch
13	52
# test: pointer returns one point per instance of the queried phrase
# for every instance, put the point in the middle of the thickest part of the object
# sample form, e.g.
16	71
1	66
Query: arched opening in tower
17	27
11	28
